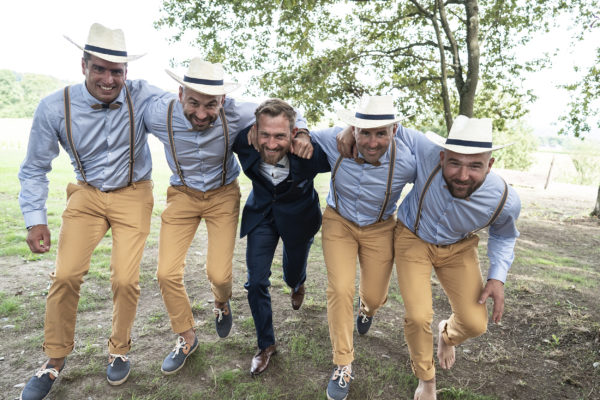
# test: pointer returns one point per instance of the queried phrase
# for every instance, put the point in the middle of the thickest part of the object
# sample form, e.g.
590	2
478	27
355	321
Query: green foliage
584	109
519	155
323	54
21	93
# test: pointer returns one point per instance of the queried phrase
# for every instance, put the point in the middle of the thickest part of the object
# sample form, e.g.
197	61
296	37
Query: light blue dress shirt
361	188
101	139
200	153
446	219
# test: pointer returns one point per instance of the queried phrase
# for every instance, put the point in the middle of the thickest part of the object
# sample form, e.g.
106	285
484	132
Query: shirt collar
284	162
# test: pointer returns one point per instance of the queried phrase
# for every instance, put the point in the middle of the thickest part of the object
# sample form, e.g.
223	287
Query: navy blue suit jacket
294	203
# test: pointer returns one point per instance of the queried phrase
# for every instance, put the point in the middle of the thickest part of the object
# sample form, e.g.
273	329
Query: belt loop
133	185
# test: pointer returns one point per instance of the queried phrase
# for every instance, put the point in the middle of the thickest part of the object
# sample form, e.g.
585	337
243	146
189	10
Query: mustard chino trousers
186	207
88	216
343	241
457	268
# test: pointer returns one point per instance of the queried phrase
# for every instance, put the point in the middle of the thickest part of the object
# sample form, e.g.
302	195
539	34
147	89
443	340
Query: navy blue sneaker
118	369
40	384
363	321
339	384
176	359
223	319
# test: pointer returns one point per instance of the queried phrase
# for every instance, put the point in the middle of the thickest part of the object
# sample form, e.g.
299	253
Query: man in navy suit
283	204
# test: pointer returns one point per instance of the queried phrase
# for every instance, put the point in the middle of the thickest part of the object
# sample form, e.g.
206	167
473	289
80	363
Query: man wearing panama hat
455	195
359	223
198	133
99	124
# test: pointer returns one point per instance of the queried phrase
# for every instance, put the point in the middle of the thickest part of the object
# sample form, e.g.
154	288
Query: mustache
459	182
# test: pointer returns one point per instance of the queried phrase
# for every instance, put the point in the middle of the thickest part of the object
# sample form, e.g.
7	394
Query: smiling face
274	137
465	173
199	108
372	143
103	79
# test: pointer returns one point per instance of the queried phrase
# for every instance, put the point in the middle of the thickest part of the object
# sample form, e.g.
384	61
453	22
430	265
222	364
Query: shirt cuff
37	217
497	273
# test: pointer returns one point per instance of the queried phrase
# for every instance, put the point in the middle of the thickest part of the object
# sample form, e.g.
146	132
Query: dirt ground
547	346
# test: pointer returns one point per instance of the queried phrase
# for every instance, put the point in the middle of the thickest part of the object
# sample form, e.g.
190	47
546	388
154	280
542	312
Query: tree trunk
596	212
467	94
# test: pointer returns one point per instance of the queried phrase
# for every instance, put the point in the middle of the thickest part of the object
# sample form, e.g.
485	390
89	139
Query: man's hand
494	289
37	234
346	143
301	145
253	137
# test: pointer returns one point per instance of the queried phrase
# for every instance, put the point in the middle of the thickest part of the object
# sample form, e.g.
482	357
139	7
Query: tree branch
444	73
422	10
429	43
458	78
467	96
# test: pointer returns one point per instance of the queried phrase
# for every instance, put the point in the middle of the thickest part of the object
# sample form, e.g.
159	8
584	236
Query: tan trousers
457	268
88	216
343	241
185	209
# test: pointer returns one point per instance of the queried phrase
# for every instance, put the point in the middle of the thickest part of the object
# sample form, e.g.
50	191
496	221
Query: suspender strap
226	141
499	208
68	129
333	172
495	216
388	188
172	139
172	142
427	184
131	136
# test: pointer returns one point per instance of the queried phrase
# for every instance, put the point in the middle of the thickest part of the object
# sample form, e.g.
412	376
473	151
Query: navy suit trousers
260	248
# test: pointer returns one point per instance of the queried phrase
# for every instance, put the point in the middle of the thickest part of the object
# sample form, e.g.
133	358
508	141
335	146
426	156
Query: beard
200	124
462	189
271	157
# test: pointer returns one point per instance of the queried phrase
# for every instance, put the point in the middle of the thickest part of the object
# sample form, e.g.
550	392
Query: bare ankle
56	363
189	335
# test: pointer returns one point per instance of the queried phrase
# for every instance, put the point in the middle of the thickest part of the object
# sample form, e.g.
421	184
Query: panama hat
108	44
467	136
371	112
204	77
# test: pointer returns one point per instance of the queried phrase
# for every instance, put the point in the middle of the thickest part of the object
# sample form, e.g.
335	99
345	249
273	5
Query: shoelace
219	313
364	317
342	373
179	345
51	371
123	358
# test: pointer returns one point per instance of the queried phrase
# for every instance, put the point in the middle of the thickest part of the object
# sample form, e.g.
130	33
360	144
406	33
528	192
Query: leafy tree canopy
430	54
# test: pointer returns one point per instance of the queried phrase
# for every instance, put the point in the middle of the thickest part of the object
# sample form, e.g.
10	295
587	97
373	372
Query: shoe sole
182	364
331	398
117	383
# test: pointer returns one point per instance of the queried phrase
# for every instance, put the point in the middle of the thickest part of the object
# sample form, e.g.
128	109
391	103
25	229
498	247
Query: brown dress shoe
297	298
260	361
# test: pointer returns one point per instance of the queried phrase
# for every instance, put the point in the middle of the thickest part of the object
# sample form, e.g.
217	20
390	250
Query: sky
32	41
